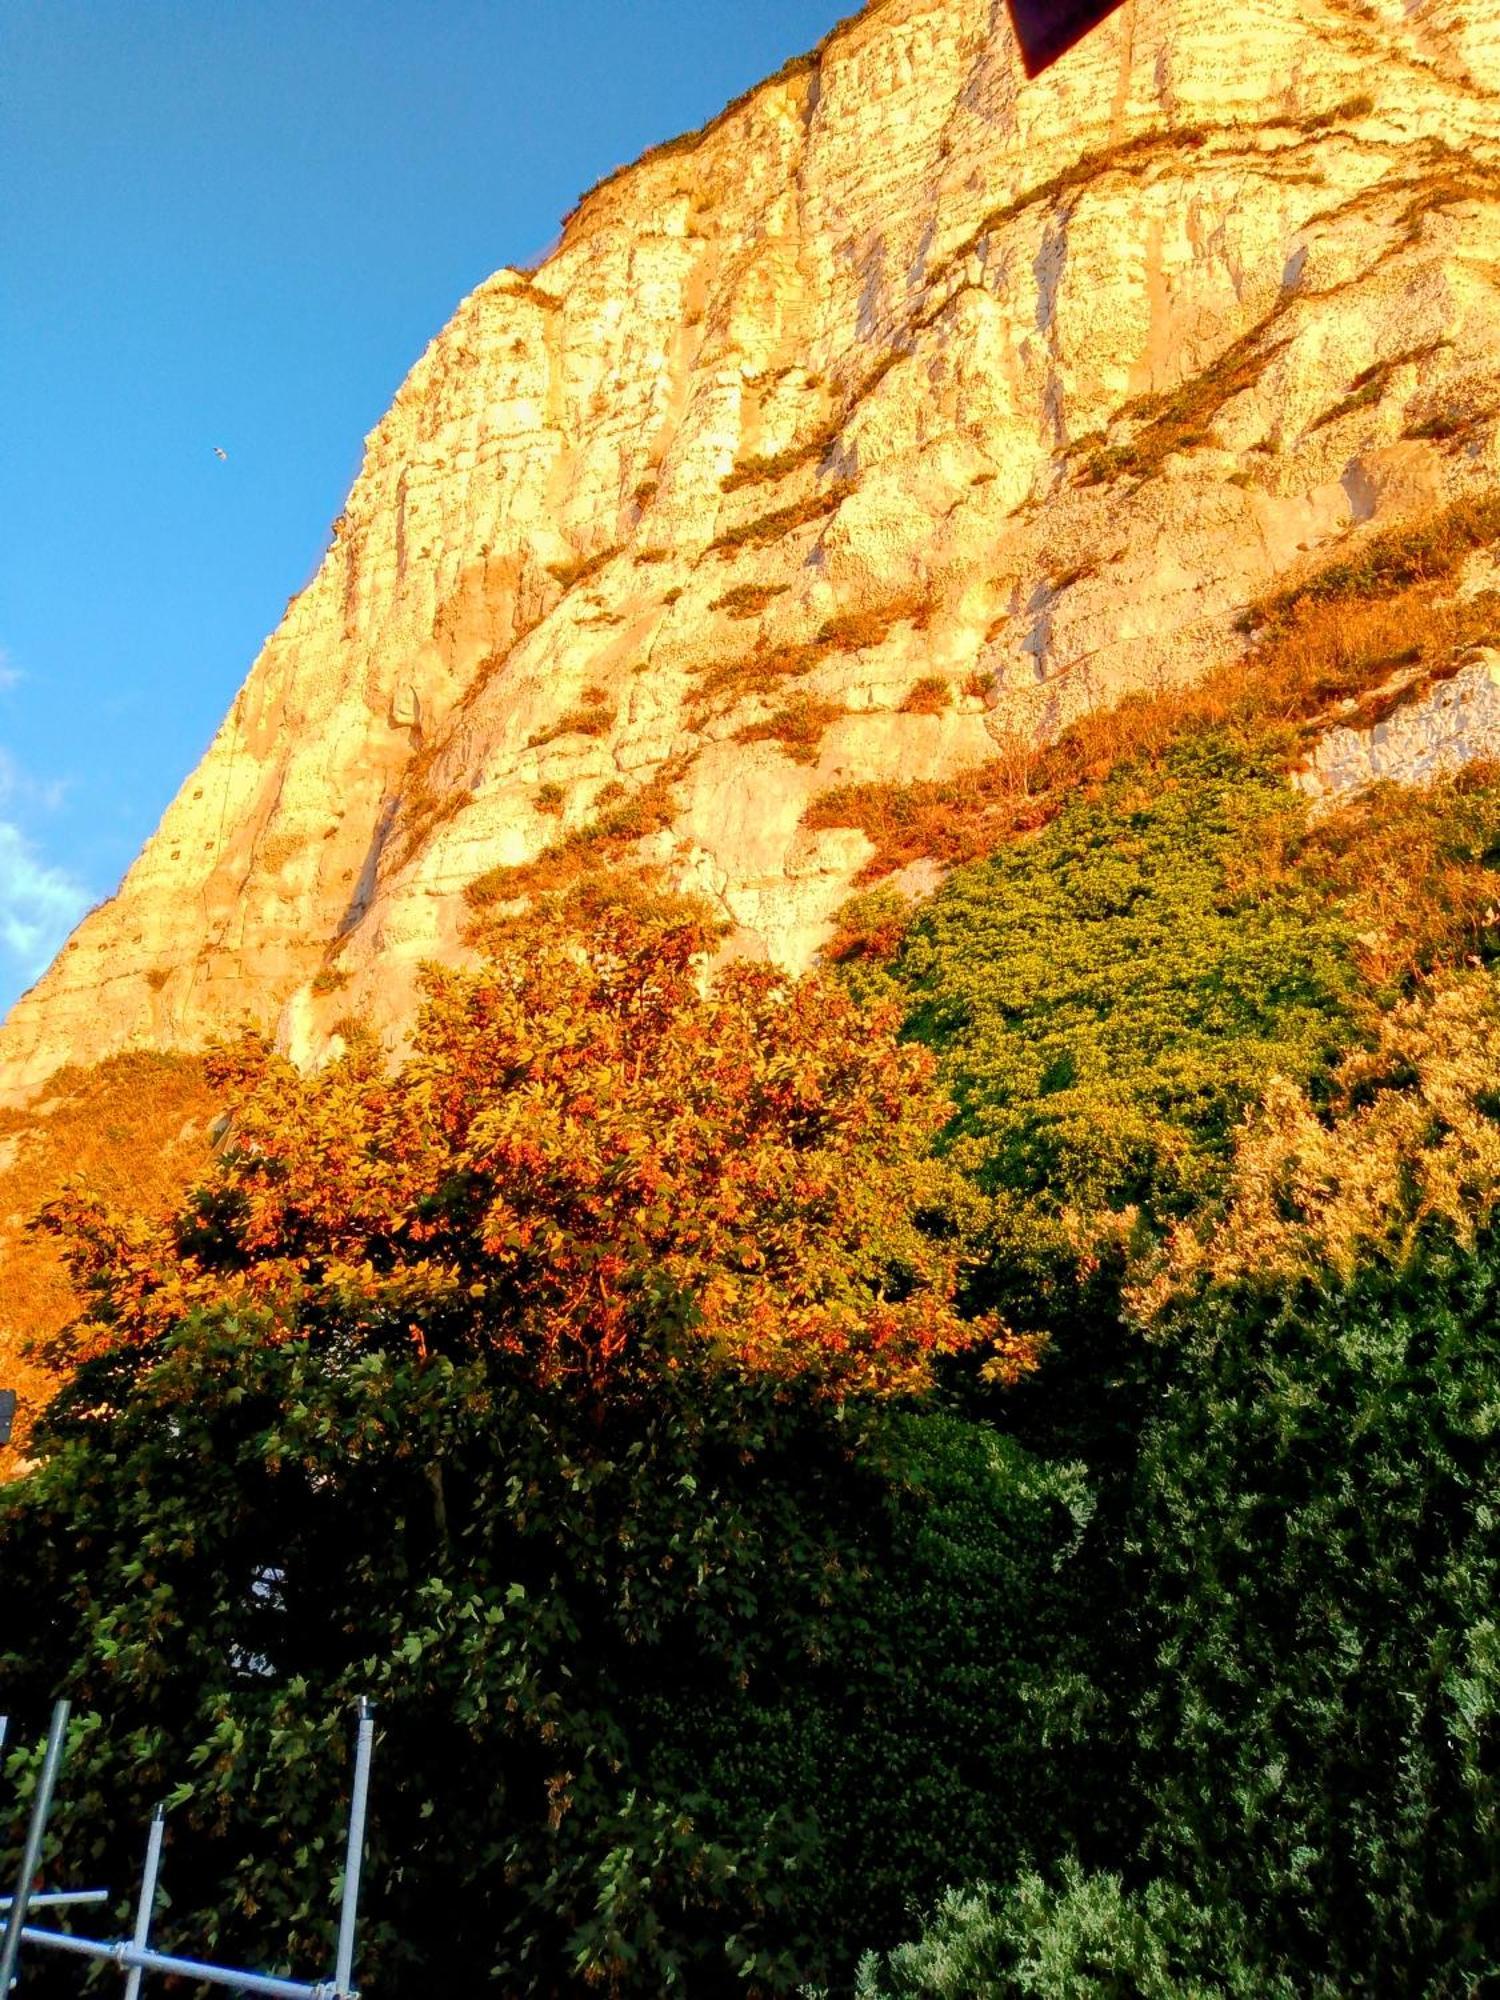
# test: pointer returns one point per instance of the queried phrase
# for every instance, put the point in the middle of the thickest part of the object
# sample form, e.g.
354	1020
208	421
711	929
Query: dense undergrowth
971	1474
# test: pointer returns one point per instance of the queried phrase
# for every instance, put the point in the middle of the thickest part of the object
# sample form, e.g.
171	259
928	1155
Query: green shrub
687	1690
1084	1935
1108	997
1311	1555
1318	1559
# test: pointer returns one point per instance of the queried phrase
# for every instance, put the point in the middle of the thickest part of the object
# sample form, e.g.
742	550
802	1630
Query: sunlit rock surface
857	372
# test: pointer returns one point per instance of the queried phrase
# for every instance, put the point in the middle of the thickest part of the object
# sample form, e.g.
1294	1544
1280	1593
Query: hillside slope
906	412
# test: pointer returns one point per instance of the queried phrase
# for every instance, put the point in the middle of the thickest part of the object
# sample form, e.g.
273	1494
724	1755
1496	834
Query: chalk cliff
909	406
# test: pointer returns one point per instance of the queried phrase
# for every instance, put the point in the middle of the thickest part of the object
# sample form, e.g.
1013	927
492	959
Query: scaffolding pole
130	1960
147	1904
31	1854
135	1956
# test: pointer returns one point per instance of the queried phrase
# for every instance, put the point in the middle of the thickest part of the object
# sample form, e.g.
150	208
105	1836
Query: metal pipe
147	1904
128	1958
54	1899
354	1859
41	1806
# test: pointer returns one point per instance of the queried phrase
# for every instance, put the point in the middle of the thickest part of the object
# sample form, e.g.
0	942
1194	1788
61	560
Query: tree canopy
591	1144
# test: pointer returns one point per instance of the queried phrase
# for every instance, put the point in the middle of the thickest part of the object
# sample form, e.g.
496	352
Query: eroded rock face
1444	727
842	395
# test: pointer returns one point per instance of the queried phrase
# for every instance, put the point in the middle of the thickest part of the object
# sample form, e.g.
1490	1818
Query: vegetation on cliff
547	1388
969	1473
990	1445
1326	646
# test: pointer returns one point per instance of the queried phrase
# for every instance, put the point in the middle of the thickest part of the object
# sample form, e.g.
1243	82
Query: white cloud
19	785
39	905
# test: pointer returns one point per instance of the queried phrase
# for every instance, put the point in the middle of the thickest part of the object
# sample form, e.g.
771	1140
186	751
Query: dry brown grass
761	672
1133	158
606	839
135	1130
748	600
765	669
781	521
483	674
591	717
798	726
1070	574
947	820
1447	190
1412	867
523	288
758	471
1339	114
1371	383
852	631
928	696
1453	421
578	569
423	807
1181	419
763	469
1348	644
1424	551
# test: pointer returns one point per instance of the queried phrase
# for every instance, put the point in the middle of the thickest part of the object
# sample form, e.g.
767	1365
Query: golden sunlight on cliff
135	1129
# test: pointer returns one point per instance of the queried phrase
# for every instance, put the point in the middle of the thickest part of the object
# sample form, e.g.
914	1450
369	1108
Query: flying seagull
1047	29
220	452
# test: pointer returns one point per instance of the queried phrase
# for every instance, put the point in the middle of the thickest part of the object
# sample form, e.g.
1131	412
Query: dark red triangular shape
1047	29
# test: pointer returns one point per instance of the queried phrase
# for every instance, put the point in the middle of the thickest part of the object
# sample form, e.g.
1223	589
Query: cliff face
909	407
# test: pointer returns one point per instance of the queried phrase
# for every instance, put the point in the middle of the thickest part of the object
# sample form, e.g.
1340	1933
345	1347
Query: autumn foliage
592	1148
134	1128
1407	1145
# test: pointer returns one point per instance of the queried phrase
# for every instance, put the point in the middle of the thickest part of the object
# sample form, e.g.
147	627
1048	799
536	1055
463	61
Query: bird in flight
220	452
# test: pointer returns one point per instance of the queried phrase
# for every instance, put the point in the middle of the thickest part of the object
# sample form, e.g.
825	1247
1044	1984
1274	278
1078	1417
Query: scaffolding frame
133	1955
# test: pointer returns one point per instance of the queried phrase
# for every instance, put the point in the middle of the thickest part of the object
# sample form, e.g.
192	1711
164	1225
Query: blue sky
237	223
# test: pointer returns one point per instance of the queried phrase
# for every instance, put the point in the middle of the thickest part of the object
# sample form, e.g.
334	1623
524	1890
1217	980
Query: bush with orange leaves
544	1384
593	1149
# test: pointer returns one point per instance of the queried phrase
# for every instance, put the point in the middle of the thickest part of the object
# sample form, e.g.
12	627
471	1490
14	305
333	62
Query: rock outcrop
910	406
1429	727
